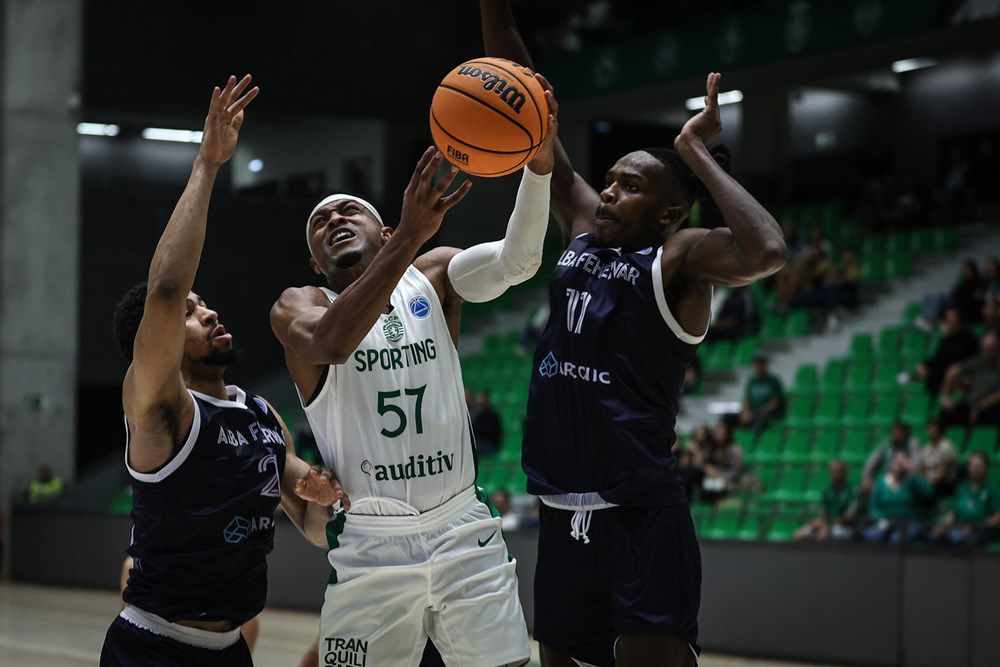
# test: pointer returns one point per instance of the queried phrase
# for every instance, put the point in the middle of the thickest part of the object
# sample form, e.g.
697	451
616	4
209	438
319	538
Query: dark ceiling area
313	58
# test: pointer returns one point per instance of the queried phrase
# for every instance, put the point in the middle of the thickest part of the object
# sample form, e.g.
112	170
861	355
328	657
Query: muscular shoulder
677	246
296	299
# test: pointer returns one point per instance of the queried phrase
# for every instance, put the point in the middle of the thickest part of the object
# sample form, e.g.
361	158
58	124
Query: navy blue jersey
203	524
607	377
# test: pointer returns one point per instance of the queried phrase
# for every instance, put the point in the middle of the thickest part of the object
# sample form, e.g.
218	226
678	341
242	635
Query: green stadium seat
826	446
983	438
857	409
800	409
833	375
899	264
913	310
783	527
806	377
744	437
829	412
725	524
751	529
958	435
917	409
946	238
885	377
890	339
769	445
886	408
746	351
792	484
859	377
797	323
857	445
768	476
700	513
862	346
922	241
915	345
819	479
798	446
773	326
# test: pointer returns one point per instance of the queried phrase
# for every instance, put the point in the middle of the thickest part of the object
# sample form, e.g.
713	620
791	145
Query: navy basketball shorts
128	645
615	571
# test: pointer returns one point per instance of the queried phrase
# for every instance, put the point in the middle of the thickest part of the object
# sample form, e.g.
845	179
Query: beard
222	358
348	259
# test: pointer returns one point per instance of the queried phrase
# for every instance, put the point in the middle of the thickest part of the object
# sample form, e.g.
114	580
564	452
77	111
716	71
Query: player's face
633	213
343	233
206	340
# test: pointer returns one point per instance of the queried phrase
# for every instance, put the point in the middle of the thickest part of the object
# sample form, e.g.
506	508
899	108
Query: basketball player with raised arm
372	354
209	463
618	579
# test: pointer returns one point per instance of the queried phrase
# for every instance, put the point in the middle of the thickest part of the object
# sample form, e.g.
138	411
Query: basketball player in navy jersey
619	570
209	463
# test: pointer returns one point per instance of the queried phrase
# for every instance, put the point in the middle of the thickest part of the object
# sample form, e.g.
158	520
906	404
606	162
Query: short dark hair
691	188
128	314
978	453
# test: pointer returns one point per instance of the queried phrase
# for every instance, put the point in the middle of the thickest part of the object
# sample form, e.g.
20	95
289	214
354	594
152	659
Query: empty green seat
783	526
859	377
746	351
856	446
886	408
830	408
826	446
725	524
806	377
798	446
833	375
769	445
983	438
885	376
752	527
744	437
915	344
913	310
819	479
773	326
857	409
862	346
917	409
800	411
958	435
793	484
797	323
767	474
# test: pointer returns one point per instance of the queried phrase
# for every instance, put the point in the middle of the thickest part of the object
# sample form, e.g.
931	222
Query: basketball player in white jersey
419	554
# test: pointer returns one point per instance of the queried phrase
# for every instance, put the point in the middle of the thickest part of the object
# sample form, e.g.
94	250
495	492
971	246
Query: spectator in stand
501	501
899	503
792	239
723	465
838	511
764	398
970	394
991	278
849	277
692	377
700	443
938	461
532	329
45	487
736	318
486	425
691	472
967	295
957	344
899	442
975	516
991	317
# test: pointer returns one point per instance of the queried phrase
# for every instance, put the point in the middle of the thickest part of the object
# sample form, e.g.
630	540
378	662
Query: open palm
707	124
225	116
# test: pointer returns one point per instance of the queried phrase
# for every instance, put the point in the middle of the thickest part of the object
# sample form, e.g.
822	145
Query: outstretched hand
707	124
225	116
544	159
424	202
319	486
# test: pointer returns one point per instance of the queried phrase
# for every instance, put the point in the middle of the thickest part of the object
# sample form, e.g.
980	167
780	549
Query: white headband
338	197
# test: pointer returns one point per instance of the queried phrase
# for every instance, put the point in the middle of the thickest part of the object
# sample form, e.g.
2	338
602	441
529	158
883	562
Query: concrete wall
841	604
39	238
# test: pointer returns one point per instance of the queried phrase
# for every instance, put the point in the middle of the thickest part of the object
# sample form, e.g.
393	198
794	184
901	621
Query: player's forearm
485	271
175	262
501	38
351	316
309	517
756	233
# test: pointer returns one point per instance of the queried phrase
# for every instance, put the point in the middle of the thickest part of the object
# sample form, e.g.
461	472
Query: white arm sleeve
485	271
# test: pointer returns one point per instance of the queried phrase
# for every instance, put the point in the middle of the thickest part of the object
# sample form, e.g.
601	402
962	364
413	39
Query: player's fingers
430	168
230	84
553	104
544	82
237	121
456	196
241	104
444	183
238	89
213	107
419	169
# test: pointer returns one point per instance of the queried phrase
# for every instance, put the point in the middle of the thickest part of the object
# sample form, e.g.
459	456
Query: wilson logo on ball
508	93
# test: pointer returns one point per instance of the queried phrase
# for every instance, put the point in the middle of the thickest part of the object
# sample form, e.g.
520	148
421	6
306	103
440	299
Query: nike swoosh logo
483	543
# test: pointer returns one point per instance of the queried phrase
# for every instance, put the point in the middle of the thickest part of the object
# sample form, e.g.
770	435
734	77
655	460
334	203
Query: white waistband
158	625
577	501
371	524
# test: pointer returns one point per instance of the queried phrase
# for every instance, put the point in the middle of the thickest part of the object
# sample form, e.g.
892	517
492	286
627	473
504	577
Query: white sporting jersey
392	421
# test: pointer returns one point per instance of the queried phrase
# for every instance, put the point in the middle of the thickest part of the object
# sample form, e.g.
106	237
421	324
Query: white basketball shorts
443	574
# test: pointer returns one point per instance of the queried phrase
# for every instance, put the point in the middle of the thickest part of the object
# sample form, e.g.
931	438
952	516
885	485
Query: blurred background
838	434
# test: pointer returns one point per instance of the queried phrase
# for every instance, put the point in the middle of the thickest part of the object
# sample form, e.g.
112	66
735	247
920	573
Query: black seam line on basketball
509	170
538	112
478	148
531	139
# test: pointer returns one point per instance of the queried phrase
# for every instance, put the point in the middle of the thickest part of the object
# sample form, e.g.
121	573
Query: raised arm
153	388
751	246
321	334
574	202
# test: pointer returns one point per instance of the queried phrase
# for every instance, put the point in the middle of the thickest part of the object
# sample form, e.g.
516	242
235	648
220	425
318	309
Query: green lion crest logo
393	329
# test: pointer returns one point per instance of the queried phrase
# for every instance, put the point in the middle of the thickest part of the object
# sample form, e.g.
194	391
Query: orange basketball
489	116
